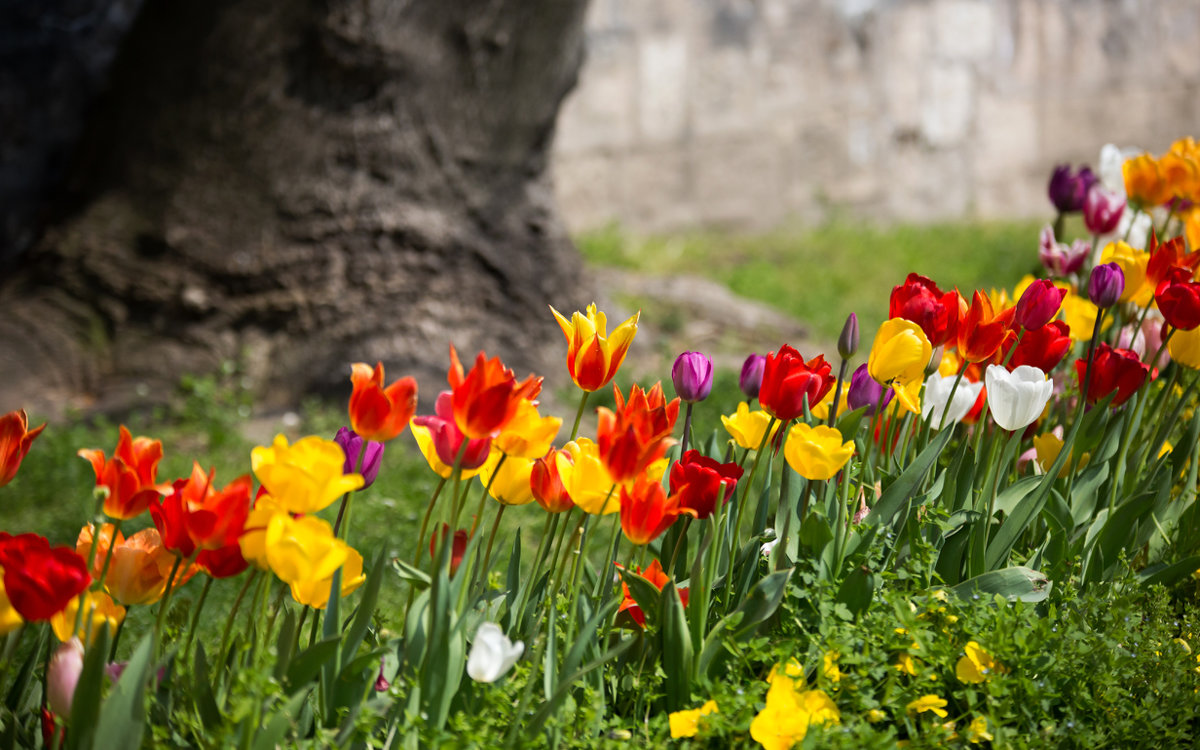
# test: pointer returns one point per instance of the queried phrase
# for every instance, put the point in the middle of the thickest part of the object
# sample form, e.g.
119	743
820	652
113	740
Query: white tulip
937	398
492	653
1017	398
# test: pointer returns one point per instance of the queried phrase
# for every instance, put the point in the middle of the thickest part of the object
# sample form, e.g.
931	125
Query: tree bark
294	186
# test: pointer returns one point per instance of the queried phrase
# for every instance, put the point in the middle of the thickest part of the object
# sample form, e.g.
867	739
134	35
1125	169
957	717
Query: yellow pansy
978	730
304	477
906	664
977	665
829	666
928	703
687	723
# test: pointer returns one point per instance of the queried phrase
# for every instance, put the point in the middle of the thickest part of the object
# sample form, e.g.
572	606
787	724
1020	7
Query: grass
820	275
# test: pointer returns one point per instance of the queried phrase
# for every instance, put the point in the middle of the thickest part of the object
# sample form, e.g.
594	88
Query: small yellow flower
978	730
747	427
978	665
874	716
928	703
906	664
830	667
687	723
817	453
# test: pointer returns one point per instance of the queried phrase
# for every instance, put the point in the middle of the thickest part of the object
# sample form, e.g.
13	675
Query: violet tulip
1068	190
750	380
866	391
1039	304
352	445
692	375
1102	210
1106	284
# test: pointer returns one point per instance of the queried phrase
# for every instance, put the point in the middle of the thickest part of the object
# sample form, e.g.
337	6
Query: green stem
737	511
579	414
487	556
237	603
166	598
195	617
837	394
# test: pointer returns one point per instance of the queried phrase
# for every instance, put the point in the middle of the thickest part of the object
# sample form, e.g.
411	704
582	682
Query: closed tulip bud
1106	285
1038	304
492	653
1016	399
1102	210
371	459
63	675
1067	190
692	375
848	341
750	380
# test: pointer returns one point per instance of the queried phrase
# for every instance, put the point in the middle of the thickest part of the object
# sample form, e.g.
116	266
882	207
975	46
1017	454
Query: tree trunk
294	186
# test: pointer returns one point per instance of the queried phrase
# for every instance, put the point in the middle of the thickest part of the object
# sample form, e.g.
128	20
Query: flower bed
956	541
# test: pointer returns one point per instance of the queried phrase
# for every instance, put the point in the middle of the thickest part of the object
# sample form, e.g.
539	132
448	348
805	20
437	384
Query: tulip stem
539	559
737	512
687	524
487	556
425	521
837	393
237	603
962	370
166	598
187	647
579	414
687	430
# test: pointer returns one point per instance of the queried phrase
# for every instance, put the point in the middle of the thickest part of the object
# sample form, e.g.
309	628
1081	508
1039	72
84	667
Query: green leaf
512	578
1085	491
676	648
305	666
564	687
417	577
85	707
761	602
1010	496
587	634
271	735
642	591
366	608
206	704
857	590
283	644
1168	575
123	716
895	498
1016	583
24	679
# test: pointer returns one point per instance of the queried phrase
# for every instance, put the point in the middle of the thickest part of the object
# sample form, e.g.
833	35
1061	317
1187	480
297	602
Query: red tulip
918	299
700	482
646	510
1168	255
1043	348
129	475
657	578
487	396
40	581
788	381
197	516
981	330
379	413
1179	301
637	434
547	485
1038	304
1113	370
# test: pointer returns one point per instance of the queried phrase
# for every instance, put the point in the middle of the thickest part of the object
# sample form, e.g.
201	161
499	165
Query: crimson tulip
1117	371
918	299
788	381
1042	348
40	580
1179	302
701	482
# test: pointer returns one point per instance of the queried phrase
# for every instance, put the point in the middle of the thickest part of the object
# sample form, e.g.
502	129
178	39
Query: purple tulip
866	391
1102	210
1068	190
848	341
1059	259
692	375
1106	284
750	380
352	446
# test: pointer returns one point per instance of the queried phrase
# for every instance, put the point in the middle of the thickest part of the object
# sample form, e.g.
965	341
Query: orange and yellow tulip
593	357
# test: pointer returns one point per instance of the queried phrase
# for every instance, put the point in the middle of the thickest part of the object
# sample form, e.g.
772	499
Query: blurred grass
820	275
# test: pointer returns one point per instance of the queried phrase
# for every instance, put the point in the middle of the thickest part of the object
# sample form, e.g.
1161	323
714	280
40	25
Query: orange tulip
658	578
15	439
1144	182
637	434
140	564
647	511
981	330
488	396
378	413
129	475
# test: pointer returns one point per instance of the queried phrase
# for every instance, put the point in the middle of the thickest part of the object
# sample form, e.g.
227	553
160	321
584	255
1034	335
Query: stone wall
748	112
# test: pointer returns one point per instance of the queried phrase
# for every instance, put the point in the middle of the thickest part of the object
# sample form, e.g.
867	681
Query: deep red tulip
1043	348
1113	370
40	580
1038	305
1179	301
1169	255
458	547
788	381
918	299
379	413
702	482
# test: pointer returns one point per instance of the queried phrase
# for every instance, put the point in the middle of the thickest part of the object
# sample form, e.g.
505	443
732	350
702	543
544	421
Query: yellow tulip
900	352
1133	262
1080	316
908	397
1048	446
816	452
253	539
1184	347
593	357
527	434
303	549
304	477
9	619
747	427
509	484
687	723
315	593
585	478
99	609
821	410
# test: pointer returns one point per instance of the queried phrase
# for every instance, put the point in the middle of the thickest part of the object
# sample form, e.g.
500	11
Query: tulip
1059	259
487	396
10	619
1038	304
458	546
701	482
865	391
1179	302
1113	370
1144	182
656	577
646	510
1166	256
547	485
379	413
750	381
303	549
99	611
937	398
692	376
39	580
816	453
918	299
441	441
492	653
848	339
637	434
747	427
1102	210
15	440
982	330
789	382
138	566
900	352
1106	284
508	482
527	434
305	477
252	543
196	516
1043	348
1016	399
593	357
587	481
129	476
362	456
315	592
1067	190
62	675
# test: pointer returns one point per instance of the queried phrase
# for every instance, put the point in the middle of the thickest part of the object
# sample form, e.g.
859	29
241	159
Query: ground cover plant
980	528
